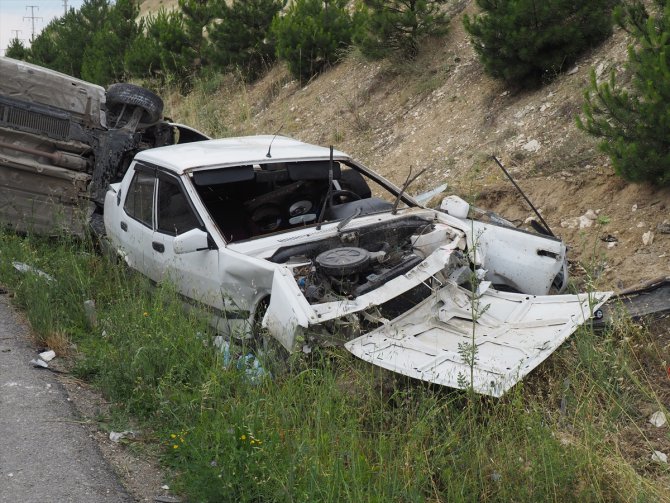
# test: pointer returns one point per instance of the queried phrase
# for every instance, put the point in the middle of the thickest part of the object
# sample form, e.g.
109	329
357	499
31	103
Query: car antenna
330	188
546	226
269	155
407	183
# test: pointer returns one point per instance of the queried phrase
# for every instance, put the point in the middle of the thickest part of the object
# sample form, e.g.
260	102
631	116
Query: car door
195	274
136	220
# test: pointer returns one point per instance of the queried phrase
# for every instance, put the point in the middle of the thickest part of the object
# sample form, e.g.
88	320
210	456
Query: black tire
129	94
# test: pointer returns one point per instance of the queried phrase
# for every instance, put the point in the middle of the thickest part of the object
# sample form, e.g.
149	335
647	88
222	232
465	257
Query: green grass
335	428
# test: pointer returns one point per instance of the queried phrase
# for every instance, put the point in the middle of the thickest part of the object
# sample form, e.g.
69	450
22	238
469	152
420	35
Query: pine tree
240	40
398	26
17	50
634	123
312	35
528	42
163	50
197	14
62	43
46	49
103	60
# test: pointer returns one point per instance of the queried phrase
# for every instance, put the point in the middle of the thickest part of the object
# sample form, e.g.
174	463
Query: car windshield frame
297	173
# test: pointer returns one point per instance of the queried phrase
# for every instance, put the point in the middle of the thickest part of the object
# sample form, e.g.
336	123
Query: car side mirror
191	241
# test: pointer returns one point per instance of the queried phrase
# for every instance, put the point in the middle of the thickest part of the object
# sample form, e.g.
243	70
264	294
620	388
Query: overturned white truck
320	249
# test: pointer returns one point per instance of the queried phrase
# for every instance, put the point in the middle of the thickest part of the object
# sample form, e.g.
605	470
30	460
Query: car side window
175	215
139	201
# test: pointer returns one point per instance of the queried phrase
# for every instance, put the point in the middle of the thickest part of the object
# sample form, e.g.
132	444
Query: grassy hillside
441	112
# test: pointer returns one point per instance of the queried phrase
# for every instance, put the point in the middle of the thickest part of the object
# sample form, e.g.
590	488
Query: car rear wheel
130	95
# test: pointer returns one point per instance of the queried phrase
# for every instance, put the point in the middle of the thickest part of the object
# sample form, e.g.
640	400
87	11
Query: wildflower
252	442
243	437
173	435
146	314
175	446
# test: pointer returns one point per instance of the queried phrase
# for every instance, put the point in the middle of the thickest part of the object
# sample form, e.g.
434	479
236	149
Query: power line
32	18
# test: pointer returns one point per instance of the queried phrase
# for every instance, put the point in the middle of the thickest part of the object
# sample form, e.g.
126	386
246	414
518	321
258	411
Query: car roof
235	151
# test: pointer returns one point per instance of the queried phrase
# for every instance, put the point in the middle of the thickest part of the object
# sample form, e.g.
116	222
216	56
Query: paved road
45	456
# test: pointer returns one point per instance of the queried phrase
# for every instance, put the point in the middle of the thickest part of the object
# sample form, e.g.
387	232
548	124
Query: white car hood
512	334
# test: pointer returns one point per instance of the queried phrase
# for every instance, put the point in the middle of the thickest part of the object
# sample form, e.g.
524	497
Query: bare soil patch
443	114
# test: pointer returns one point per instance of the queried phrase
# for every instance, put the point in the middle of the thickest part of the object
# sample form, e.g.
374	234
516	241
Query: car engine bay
360	260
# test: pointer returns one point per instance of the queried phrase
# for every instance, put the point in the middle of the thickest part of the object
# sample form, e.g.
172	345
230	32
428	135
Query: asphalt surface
46	455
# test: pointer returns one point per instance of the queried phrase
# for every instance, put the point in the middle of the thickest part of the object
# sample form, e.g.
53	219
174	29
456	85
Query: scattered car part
545	227
647	302
512	334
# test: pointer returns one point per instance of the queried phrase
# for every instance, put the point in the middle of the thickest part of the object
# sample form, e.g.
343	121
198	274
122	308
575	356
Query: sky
12	13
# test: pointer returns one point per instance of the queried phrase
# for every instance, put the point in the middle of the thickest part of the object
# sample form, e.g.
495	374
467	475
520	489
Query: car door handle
124	226
159	247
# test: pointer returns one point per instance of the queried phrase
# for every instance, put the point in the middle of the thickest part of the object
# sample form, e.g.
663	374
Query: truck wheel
129	94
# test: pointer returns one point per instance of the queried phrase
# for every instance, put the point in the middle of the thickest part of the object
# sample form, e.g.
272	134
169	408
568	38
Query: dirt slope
443	113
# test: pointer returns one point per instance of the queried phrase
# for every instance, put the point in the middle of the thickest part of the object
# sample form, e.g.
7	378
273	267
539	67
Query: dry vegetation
442	113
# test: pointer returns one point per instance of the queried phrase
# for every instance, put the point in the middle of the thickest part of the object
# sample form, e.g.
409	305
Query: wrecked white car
323	250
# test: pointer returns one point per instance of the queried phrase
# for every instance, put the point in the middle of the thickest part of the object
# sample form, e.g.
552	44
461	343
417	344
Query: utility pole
64	7
16	34
32	18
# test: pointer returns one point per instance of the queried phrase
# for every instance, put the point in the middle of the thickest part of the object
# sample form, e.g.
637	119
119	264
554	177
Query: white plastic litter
252	368
659	457
38	362
455	206
224	346
116	436
658	419
249	363
25	268
47	356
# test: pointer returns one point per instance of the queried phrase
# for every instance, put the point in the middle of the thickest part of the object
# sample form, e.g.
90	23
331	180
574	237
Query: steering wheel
351	196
